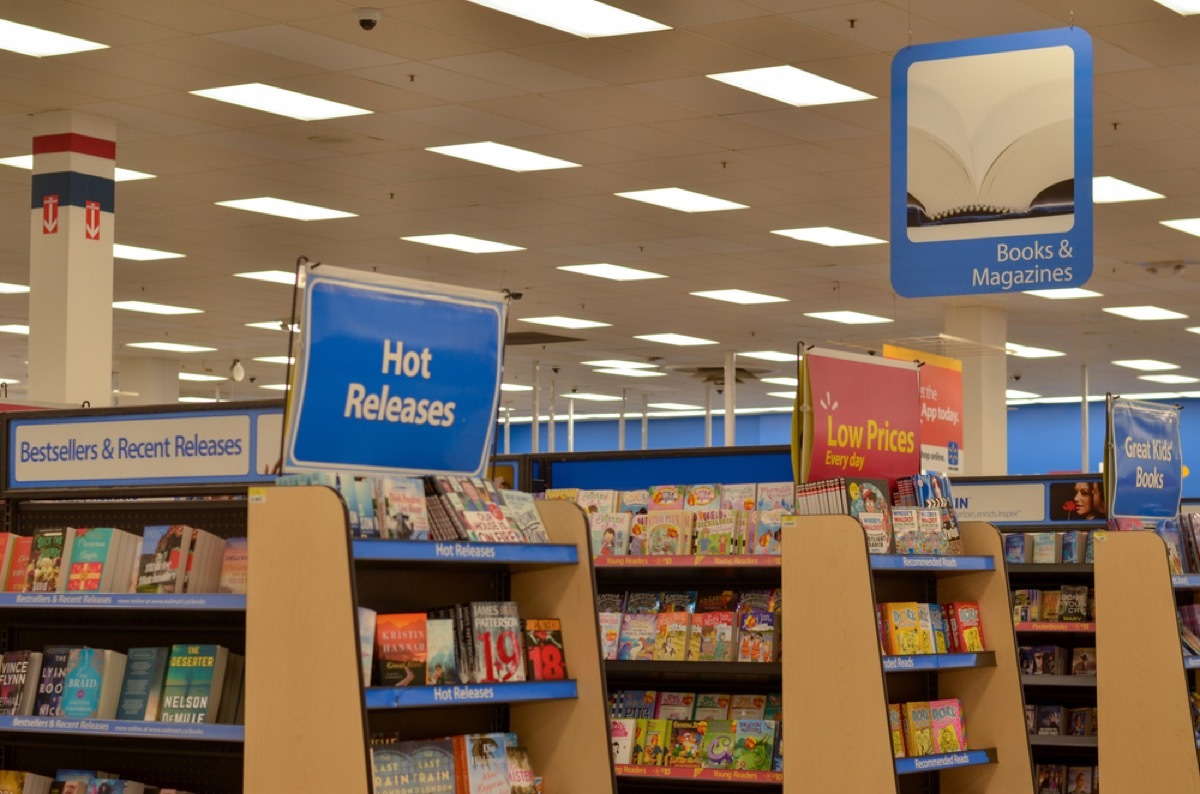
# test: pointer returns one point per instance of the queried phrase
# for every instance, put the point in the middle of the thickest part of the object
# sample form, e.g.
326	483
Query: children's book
949	731
670	641
720	736
675	705
925	637
678	601
878	532
687	744
622	731
768	532
918	729
740	496
703	497
597	501
667	532
610	634
756	636
711	706
667	497
754	745
636	704
655	736
716	532
965	626
906	528
641	602
747	707
637	637
610	533
711	638
400	649
901	627
776	496
897	729
634	501
938	621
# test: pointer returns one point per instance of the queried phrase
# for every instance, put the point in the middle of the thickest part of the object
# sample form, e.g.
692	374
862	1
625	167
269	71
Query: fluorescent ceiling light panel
741	296
1110	190
675	198
23	330
1184	7
13	289
153	308
1186	225
274	276
197	399
787	395
682	340
613	363
586	18
514	387
275	386
1023	351
828	236
280	101
677	406
275	325
460	242
200	377
1145	313
25	161
171	347
129	175
1146	364
1017	394
276	360
1174	380
793	382
792	86
282	208
564	322
632	373
9	381
1065	294
141	254
612	272
28	40
770	355
848	317
599	398
498	155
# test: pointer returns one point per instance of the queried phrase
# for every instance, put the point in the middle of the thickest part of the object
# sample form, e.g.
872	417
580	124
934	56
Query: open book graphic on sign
991	147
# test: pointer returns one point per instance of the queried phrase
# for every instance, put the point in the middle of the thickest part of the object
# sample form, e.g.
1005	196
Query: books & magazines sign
395	376
991	186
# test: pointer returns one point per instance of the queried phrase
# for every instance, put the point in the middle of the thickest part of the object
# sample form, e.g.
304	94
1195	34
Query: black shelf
701	672
1049	740
1054	568
1079	681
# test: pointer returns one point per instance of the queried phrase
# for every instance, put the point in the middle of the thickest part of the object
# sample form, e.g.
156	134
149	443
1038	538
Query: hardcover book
718	743
20	672
441	659
92	683
901	627
234	566
711	706
195	678
544	658
687	744
675	705
925	638
142	687
754	745
402	513
50	686
50	546
520	773
918	728
496	642
897	730
401	654
949	731
965	626
20	568
99	560
481	763
163	562
522	512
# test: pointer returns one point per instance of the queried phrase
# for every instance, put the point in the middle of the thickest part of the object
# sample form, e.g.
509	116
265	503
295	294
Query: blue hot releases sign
991	186
1145	463
395	376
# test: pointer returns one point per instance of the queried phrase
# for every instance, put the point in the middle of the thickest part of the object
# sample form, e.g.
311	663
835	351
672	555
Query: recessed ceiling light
1024	351
612	272
792	86
275	386
676	339
25	162
1067	293
514	387
498	155
275	325
848	317
613	363
585	18
1110	190
28	40
1186	225
793	382
141	254
675	198
280	101
599	398
200	377
276	360
9	381
564	322
282	208
13	289
1146	364
829	236
460	242
197	399
1184	7
741	296
274	276
787	395
1017	394
154	308
770	355
1171	379
632	373
1145	313
23	330
676	406
171	347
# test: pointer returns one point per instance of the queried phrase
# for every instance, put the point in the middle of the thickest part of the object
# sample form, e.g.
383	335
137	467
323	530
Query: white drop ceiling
637	112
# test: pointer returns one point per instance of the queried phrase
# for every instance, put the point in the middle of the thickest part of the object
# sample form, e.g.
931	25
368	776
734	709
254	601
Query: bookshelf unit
1147	741
833	649
321	743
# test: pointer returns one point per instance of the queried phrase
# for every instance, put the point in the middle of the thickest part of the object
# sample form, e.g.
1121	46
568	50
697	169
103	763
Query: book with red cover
400	652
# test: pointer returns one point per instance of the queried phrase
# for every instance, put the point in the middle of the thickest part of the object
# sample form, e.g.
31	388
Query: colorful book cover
622	731
655	741
675	705
878	532
901	627
930	538
634	501
82	683
1083	661
896	727
768	532
1047	548
1016	550
141	691
16	667
637	534
716	532
747	707
754	746
667	497
569	494
918	728
598	501
481	763
636	704
776	496
687	744
520	772
867	496
740	496
756	636
965	625
441	659
671	635
949	730
711	638
522	512
50	685
49	545
711	706
925	639
1080	780
1073	542
1050	720
610	533
1073	603
401	653
610	634
234	566
704	496
642	603
403	513
496	638
938	621
366	641
89	555
719	738
543	648
391	768
163	555
192	689
637	637
20	569
773	710
667	532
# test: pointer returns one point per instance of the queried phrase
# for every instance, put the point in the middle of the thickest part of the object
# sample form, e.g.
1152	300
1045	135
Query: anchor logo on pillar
91	227
50	214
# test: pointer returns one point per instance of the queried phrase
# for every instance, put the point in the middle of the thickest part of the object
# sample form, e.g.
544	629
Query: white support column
570	425
550	428
708	414
147	381
507	432
536	426
730	398
621	423
985	378
645	421
1084	465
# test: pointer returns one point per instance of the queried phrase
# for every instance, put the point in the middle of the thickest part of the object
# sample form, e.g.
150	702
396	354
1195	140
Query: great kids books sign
992	164
1143	462
395	376
941	408
862	416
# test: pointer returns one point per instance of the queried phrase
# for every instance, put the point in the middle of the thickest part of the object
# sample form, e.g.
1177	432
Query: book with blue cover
141	691
92	683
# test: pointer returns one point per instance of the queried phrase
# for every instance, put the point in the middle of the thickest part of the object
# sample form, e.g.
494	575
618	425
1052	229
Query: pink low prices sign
863	417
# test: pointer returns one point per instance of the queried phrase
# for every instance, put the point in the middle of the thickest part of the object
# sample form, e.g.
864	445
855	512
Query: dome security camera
368	18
